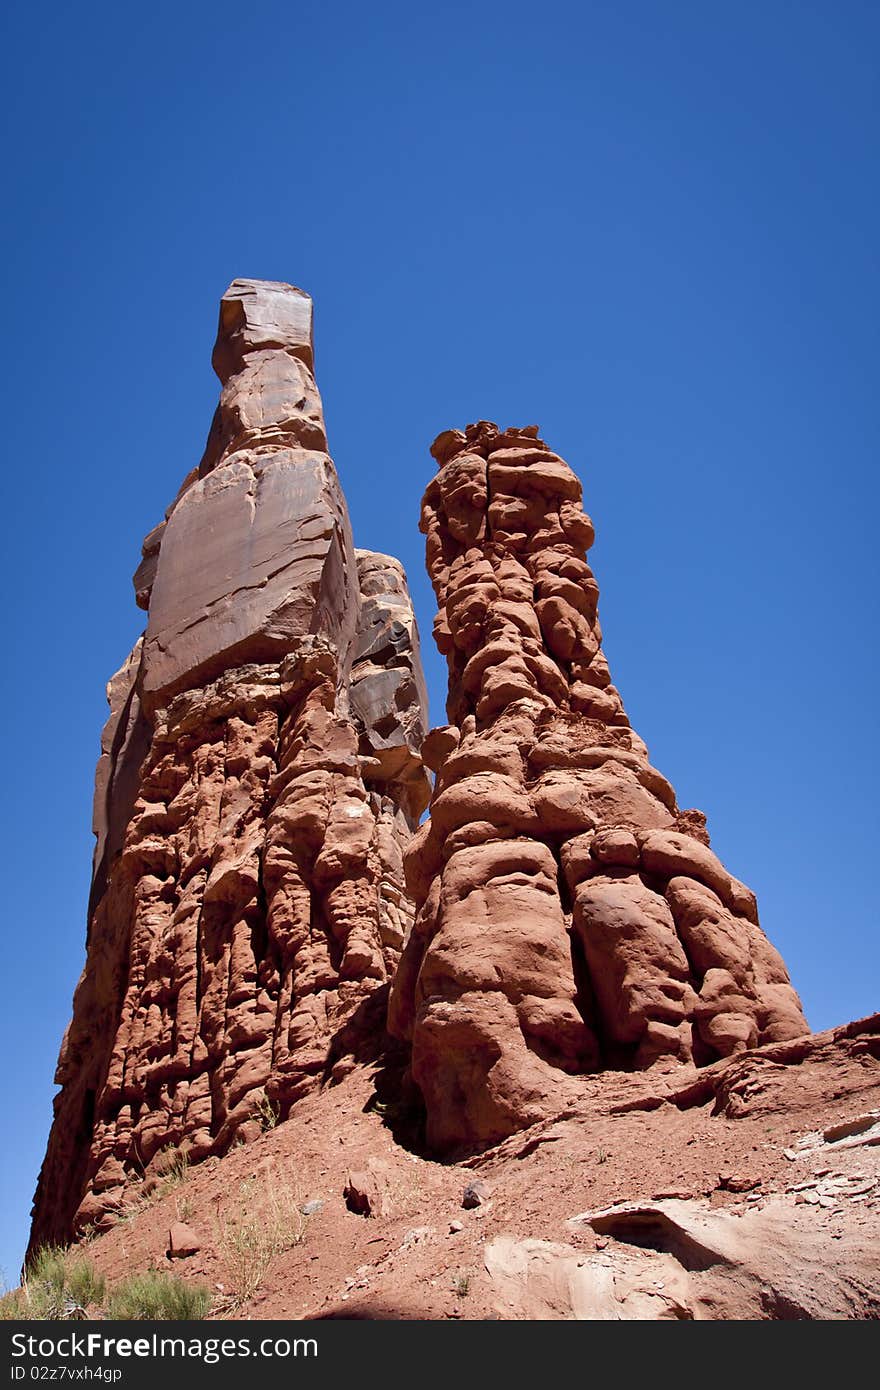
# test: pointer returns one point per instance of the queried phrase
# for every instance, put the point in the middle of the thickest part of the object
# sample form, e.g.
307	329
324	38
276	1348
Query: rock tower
570	918
259	779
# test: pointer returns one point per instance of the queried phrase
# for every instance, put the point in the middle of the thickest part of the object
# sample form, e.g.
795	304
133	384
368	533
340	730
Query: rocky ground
749	1189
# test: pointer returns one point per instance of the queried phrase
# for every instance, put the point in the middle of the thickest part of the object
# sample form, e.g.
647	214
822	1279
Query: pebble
738	1182
475	1194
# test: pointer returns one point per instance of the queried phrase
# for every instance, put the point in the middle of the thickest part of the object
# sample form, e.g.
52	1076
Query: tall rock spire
570	917
259	779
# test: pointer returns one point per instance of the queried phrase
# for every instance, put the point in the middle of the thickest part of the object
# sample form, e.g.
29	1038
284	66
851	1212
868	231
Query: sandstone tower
259	778
570	917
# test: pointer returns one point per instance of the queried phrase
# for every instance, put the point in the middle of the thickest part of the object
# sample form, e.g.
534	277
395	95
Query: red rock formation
258	781
570	917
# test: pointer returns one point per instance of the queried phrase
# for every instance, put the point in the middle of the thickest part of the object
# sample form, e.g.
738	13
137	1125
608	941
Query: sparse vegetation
58	1283
155	1295
139	1196
12	1306
172	1169
184	1208
461	1284
267	1113
602	1156
265	1222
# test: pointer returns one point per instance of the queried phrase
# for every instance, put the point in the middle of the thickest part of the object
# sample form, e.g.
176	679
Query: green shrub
58	1283
62	1283
155	1295
65	1274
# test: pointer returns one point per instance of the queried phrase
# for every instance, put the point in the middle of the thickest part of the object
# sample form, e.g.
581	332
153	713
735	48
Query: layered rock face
259	779
570	918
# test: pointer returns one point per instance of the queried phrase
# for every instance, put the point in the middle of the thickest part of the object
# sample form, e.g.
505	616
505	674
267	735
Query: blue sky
650	227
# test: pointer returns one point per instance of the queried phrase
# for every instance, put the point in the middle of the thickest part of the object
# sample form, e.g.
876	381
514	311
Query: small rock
182	1241
859	1124
738	1182
789	1154
476	1194
455	1227
313	1205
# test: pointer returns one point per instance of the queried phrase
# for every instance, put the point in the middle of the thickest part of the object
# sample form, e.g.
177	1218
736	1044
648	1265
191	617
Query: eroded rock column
570	918
260	777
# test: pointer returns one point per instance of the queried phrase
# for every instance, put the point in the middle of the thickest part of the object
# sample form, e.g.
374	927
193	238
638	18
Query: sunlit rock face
570	917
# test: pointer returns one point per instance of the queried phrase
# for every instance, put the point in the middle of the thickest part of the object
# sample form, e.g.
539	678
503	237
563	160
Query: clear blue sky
650	227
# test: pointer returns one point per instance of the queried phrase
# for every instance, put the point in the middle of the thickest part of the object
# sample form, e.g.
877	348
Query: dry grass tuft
264	1221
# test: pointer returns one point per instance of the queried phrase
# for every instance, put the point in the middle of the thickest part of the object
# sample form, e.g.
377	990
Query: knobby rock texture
570	917
259	779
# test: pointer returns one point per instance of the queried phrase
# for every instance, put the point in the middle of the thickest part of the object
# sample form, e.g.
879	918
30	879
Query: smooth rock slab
255	554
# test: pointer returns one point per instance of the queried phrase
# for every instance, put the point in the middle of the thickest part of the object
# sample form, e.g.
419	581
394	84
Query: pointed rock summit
259	779
570	917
